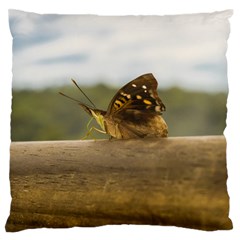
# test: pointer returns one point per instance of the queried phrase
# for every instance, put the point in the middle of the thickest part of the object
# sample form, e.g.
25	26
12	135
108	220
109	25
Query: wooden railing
177	181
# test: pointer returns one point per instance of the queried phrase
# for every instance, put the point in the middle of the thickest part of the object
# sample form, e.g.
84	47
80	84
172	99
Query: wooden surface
177	181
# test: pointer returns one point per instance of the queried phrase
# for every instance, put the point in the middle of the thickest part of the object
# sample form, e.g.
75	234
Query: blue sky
187	51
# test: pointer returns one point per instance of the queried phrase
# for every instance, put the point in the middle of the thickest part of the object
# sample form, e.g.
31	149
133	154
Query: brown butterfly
134	112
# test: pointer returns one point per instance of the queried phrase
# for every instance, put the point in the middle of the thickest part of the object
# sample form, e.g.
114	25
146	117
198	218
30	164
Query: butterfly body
134	112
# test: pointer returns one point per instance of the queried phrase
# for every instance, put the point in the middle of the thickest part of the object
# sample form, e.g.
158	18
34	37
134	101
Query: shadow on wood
174	181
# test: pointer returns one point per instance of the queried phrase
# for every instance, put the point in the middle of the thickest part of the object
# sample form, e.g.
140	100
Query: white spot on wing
134	85
157	109
151	93
125	95
144	87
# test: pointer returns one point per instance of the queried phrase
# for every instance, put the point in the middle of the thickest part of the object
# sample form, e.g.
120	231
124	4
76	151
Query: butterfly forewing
139	94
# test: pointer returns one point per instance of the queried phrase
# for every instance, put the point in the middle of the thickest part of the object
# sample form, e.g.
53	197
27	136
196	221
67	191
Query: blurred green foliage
46	115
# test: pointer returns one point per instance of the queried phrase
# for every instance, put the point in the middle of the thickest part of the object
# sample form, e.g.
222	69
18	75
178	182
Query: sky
187	51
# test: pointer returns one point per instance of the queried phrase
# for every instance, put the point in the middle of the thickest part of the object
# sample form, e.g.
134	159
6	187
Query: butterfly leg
90	131
88	128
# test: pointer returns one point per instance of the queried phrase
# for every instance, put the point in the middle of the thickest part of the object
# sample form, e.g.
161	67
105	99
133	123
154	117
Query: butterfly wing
141	94
135	110
137	123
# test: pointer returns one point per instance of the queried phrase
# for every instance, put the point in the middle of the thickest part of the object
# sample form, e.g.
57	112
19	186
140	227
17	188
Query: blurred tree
46	115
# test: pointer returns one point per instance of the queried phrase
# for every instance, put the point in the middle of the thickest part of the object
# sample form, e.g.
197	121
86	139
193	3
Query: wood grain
178	181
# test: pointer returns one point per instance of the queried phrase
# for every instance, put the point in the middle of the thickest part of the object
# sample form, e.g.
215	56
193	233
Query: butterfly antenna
70	97
83	93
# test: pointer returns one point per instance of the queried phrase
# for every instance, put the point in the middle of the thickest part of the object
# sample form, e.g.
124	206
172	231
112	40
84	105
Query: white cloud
118	49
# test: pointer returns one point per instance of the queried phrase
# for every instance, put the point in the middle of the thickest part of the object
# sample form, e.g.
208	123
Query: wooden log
178	181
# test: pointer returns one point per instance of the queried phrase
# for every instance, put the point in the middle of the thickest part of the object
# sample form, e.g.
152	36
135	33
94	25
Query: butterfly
134	112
